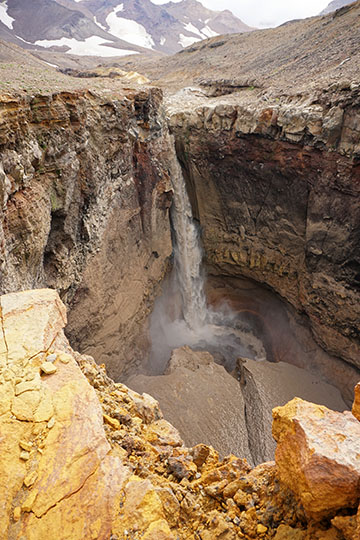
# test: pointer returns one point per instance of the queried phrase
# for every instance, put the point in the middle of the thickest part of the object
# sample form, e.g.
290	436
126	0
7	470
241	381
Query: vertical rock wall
85	191
276	190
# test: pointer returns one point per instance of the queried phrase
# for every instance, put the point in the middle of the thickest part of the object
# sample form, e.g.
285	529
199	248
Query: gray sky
264	13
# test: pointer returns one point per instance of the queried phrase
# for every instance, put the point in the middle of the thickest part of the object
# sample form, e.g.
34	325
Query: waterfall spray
193	323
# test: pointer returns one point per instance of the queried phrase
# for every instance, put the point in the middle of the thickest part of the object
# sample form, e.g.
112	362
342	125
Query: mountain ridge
335	5
110	28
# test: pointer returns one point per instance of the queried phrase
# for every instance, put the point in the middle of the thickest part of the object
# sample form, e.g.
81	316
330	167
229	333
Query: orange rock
159	530
318	456
356	404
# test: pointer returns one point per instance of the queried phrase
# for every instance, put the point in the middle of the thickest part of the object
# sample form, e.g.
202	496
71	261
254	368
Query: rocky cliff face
84	209
275	188
84	457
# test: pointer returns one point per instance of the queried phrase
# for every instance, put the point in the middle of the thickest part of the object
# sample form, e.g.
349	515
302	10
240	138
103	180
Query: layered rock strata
84	457
275	187
84	197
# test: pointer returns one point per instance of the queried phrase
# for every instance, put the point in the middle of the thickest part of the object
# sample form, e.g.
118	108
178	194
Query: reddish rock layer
84	196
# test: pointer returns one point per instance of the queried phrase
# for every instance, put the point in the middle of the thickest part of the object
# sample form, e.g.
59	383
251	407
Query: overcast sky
264	13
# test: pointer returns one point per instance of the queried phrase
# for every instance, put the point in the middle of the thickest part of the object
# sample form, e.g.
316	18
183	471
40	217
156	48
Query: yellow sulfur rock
261	529
31	319
25	446
30	479
25	405
158	530
17	513
142	506
29	501
64	358
113	422
310	437
48	368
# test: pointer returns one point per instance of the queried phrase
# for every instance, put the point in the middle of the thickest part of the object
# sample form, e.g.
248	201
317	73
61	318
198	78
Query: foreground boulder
56	469
318	456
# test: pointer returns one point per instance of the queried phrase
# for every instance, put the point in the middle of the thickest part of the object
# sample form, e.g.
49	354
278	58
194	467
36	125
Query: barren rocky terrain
295	57
266	128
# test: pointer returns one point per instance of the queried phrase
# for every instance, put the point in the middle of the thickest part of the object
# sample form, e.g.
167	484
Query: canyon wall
84	197
85	192
275	186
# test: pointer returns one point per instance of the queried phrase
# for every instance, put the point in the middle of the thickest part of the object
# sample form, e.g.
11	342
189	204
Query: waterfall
181	316
188	254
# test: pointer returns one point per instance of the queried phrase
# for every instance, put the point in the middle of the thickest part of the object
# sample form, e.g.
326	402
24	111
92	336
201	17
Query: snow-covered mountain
111	27
336	4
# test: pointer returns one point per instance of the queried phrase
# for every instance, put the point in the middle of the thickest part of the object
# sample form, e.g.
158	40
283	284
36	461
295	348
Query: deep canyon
88	208
87	192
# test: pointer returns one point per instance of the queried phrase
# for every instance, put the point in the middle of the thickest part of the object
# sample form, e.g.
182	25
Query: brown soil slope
314	51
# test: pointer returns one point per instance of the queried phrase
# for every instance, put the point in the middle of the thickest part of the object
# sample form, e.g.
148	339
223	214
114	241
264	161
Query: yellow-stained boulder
159	530
30	322
318	456
56	470
88	513
141	506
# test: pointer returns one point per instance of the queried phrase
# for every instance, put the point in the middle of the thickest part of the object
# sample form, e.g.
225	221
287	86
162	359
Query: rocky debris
105	464
318	454
201	399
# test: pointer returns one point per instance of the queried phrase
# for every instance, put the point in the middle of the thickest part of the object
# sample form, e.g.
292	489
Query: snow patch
162	40
92	46
99	24
185	41
128	29
21	39
52	65
191	28
208	32
4	16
